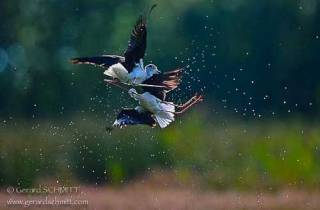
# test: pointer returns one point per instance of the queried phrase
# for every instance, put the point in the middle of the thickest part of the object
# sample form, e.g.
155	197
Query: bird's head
152	69
133	93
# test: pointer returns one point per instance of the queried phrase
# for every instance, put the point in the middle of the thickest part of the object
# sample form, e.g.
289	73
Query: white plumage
138	75
118	71
163	111
166	116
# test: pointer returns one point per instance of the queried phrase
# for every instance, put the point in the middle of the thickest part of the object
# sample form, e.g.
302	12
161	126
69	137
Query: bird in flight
152	110
129	68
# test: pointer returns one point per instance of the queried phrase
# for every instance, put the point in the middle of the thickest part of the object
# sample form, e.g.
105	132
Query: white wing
118	71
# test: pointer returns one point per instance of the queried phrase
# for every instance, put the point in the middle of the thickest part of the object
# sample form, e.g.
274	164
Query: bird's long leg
186	103
147	85
197	100
115	83
194	100
181	106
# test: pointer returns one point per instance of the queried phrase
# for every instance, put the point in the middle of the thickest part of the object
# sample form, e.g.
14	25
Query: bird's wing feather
170	80
134	117
104	61
137	43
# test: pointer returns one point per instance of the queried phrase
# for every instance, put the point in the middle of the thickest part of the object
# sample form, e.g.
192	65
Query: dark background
256	62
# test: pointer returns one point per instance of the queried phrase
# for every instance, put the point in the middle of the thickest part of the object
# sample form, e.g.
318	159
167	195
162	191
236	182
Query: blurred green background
256	62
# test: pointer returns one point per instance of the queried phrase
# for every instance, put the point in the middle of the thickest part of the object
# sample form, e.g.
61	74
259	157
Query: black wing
133	117
170	80
137	43
104	61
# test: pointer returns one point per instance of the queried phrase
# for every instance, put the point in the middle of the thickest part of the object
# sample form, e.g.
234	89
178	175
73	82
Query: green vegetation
256	62
236	155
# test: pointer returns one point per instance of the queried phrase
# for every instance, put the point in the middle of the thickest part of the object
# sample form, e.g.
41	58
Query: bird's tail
166	116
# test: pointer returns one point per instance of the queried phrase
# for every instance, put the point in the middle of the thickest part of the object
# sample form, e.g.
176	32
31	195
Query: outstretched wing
104	61
134	117
137	43
170	80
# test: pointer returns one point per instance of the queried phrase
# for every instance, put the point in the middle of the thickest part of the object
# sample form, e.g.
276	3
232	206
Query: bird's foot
194	100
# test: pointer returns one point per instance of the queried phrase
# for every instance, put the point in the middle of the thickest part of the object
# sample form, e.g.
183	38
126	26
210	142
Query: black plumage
135	51
137	44
104	61
134	117
169	80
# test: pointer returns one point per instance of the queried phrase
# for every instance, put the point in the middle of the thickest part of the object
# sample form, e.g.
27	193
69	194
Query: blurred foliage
244	55
256	62
266	155
223	155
